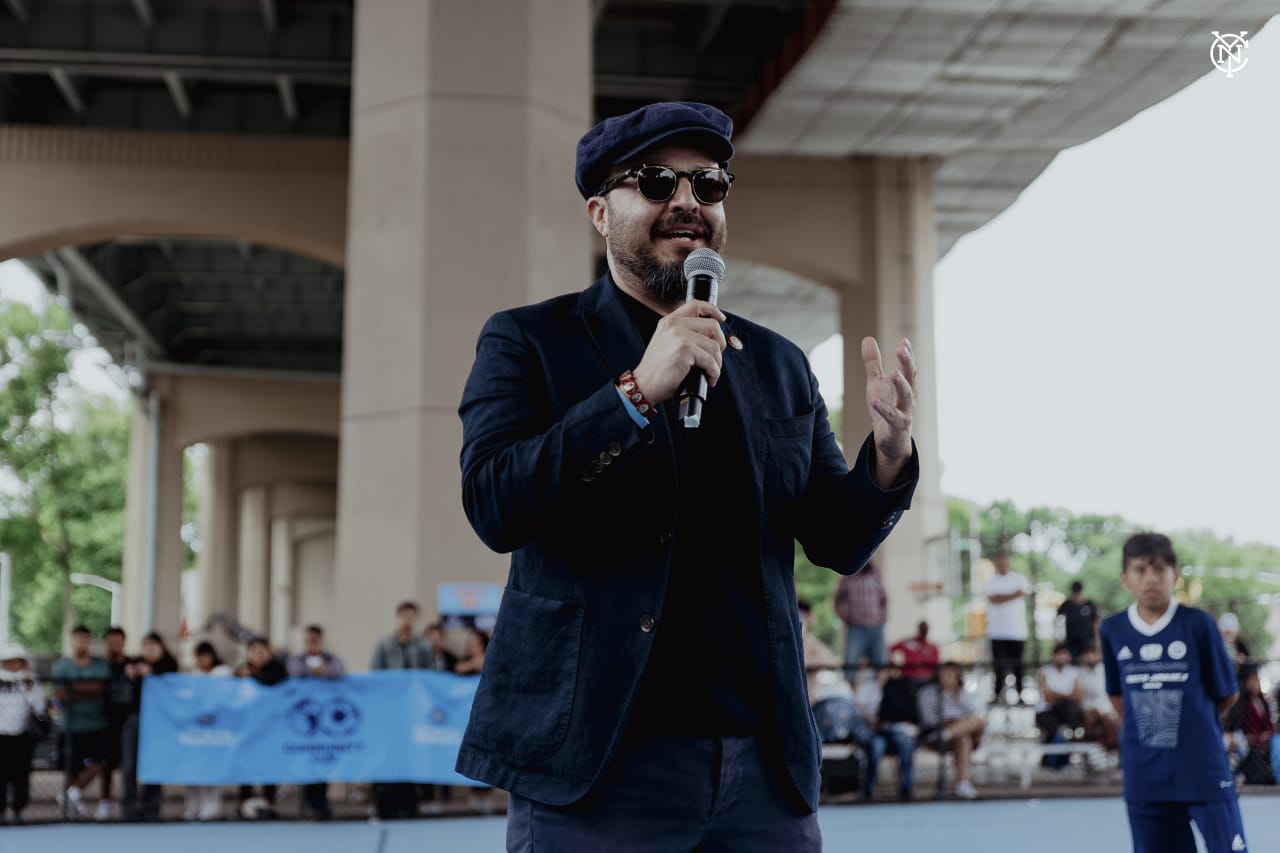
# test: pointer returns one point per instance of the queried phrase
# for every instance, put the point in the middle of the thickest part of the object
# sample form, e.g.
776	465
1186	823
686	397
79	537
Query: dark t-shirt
1081	619
122	693
707	674
272	673
1171	676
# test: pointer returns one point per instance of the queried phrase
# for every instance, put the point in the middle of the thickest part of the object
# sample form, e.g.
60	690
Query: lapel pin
735	342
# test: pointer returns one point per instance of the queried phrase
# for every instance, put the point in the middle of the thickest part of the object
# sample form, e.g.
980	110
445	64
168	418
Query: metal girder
230	69
145	15
87	275
177	369
715	19
178	92
288	100
67	87
270	20
18	9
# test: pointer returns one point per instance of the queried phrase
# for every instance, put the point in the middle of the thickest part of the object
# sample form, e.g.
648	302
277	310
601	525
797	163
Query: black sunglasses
658	183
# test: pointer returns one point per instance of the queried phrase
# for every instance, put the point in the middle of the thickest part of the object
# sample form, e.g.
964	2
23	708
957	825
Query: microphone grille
704	262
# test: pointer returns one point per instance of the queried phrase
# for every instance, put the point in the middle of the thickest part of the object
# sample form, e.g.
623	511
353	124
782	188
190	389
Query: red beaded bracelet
628	386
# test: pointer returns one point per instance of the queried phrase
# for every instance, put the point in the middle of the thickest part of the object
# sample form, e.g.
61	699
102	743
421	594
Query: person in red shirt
919	656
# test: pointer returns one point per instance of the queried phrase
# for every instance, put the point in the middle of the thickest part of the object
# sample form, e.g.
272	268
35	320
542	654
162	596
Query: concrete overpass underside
288	219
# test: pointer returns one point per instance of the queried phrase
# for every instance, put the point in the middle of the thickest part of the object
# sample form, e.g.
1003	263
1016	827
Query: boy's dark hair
406	605
804	606
258	641
1061	647
315	629
1076	586
434	626
82	629
1154	546
114	629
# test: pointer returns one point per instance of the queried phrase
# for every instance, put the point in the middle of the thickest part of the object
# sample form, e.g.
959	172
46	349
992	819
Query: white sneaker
104	812
70	805
965	790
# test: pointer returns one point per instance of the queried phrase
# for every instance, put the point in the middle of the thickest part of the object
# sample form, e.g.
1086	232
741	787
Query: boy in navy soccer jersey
1169	674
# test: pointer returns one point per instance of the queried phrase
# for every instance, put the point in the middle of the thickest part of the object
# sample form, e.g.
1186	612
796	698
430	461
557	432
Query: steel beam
178	92
145	15
288	100
67	87
18	9
86	274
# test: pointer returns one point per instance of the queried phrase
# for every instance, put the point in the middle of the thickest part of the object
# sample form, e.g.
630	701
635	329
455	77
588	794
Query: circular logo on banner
304	717
1177	650
339	718
336	718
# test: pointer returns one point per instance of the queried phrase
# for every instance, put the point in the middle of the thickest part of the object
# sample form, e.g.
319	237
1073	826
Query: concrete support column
891	298
170	560
461	203
281	605
217	563
255	559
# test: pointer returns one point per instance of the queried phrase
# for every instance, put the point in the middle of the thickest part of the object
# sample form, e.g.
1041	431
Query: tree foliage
62	478
1053	547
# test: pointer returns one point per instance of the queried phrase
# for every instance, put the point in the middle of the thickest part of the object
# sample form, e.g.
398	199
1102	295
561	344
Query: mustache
682	222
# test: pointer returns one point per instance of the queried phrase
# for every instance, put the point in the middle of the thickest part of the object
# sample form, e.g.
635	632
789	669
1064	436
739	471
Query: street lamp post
82	579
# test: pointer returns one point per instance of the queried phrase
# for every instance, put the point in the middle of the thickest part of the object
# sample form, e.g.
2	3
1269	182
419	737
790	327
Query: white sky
1109	343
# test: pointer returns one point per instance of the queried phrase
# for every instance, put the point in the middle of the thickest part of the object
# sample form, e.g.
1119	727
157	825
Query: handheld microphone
703	271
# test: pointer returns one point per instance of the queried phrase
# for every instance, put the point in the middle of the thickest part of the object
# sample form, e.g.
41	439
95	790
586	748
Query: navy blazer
555	471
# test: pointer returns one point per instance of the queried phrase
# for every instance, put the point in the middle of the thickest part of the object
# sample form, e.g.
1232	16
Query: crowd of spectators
92	704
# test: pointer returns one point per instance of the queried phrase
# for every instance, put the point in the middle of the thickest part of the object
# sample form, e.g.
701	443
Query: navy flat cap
620	138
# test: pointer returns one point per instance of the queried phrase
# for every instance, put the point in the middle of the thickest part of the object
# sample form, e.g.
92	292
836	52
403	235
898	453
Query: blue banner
398	726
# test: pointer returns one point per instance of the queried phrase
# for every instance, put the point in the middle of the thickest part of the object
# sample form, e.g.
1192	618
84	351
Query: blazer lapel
620	346
744	387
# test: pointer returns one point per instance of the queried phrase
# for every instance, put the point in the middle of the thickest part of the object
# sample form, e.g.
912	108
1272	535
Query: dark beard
663	282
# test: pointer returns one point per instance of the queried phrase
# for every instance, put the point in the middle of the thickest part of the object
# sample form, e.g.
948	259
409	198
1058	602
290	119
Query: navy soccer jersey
1172	675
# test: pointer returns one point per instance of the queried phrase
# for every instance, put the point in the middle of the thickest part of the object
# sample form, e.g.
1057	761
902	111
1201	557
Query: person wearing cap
21	700
644	688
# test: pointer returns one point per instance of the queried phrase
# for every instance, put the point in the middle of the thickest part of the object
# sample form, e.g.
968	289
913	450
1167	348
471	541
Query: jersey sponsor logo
1177	650
1237	843
1151	651
1124	654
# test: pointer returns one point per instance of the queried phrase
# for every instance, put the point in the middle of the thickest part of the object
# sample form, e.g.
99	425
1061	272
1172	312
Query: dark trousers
1064	713
269	793
674	795
137	802
1006	657
15	771
316	797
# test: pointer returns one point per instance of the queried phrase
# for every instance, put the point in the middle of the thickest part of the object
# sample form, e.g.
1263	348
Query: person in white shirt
20	699
1100	721
1061	695
1006	624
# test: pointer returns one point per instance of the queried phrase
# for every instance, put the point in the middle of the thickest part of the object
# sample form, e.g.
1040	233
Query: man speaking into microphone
644	689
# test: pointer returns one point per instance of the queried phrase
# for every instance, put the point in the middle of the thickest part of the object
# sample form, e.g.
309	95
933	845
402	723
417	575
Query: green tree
1054	547
62	478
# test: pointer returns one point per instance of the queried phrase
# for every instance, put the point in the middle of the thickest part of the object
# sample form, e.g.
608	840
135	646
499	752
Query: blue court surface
1043	826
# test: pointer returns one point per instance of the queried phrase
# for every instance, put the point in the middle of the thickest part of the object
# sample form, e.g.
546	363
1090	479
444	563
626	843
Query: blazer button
605	458
615	449
646	623
588	476
597	466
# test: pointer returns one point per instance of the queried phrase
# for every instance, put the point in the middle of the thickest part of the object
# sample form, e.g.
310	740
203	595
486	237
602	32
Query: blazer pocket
789	454
528	686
